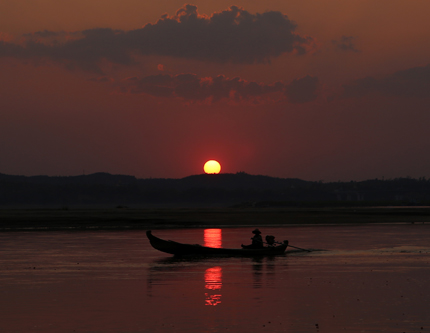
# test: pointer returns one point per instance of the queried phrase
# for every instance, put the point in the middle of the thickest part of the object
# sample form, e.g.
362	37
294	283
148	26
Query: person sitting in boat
257	240
270	240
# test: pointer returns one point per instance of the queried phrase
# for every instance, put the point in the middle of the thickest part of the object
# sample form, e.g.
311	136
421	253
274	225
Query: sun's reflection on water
213	275
213	284
213	237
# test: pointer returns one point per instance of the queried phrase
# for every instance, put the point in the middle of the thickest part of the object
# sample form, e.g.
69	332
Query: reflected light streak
213	237
213	283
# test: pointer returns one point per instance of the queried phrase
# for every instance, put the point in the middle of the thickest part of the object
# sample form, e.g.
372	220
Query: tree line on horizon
238	190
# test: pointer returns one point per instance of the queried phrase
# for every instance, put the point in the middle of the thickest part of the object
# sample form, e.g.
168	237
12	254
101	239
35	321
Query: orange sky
340	93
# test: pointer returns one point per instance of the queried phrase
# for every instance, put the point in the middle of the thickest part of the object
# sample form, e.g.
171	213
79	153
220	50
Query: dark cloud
11	50
192	88
302	90
412	82
232	35
345	44
84	50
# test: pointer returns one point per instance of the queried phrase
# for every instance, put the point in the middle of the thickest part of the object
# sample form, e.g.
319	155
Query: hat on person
256	231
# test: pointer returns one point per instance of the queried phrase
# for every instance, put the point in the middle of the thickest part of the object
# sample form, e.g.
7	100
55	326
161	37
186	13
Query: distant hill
238	190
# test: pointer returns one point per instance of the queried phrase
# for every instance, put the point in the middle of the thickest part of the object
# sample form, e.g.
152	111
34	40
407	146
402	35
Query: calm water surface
364	279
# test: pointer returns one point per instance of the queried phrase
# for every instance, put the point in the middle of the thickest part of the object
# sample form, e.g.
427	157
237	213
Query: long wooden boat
181	249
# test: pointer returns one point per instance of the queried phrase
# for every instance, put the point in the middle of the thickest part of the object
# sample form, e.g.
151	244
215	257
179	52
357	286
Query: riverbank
127	218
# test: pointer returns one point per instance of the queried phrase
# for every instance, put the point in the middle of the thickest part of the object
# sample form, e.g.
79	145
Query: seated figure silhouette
270	240
257	241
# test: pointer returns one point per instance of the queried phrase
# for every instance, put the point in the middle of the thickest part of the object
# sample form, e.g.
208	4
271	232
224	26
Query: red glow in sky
333	90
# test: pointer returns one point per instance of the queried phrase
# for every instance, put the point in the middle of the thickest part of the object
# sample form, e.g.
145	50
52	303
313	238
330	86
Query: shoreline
41	219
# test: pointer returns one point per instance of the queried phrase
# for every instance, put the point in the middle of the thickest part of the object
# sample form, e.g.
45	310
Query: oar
299	248
295	247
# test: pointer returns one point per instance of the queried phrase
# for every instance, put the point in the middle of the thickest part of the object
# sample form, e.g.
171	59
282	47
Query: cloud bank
345	44
233	35
302	90
412	82
192	88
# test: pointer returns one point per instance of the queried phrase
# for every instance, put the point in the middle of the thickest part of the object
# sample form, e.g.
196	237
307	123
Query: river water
371	278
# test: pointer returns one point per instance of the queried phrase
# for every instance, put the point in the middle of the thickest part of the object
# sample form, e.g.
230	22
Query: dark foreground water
369	279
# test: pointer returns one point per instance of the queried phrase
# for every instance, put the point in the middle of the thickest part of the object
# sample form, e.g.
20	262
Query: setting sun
212	167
